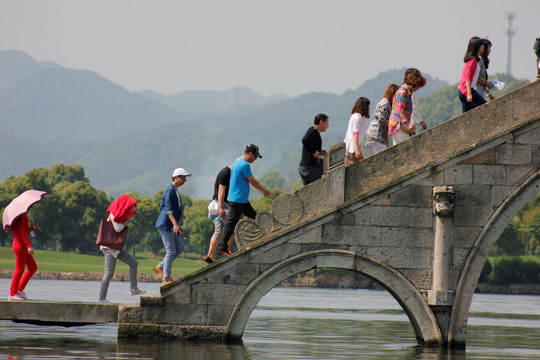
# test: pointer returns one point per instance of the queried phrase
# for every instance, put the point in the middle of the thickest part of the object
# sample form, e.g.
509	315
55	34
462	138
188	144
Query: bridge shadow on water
71	348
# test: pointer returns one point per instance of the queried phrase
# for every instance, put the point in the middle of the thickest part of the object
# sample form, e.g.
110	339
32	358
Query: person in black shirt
311	165
221	191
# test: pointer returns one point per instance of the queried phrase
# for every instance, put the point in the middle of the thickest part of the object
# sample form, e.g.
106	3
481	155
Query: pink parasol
20	205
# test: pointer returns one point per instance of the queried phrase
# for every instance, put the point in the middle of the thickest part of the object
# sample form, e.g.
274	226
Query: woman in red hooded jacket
22	247
119	213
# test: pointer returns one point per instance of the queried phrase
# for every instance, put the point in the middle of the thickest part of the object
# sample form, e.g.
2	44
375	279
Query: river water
288	323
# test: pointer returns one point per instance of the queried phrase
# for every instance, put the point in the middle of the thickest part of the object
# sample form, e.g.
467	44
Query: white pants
378	147
400	136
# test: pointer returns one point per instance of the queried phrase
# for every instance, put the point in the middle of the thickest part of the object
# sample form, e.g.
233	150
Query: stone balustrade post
443	208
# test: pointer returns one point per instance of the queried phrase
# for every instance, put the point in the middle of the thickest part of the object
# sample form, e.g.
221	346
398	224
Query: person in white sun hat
170	211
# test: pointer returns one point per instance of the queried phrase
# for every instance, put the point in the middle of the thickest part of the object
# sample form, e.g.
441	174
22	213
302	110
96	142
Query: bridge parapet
287	210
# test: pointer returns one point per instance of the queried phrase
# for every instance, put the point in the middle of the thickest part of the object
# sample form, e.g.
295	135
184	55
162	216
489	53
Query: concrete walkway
58	313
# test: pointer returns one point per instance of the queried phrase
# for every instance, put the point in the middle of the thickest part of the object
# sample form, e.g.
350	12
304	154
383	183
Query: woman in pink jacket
467	93
23	258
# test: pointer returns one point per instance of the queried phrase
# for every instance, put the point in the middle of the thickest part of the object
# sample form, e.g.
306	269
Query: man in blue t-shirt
241	178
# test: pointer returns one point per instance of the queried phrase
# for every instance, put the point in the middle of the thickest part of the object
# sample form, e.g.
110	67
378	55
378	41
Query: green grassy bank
77	263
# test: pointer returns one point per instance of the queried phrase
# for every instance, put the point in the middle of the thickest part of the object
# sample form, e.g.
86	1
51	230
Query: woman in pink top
467	93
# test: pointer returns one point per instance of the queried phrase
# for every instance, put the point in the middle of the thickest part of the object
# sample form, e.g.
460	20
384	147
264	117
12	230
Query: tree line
69	215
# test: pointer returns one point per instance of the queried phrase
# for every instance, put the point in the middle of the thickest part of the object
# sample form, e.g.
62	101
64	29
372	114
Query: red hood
122	208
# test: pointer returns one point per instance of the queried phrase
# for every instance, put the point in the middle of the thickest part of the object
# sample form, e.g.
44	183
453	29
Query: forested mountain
52	103
16	65
208	102
129	142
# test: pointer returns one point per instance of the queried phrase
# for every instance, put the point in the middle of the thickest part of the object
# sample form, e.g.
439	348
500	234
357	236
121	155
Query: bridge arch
422	319
480	252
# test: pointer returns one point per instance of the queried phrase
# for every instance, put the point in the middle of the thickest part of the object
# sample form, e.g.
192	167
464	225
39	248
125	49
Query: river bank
323	281
366	283
85	276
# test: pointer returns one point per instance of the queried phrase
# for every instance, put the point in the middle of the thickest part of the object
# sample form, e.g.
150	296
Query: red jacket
122	208
20	229
467	75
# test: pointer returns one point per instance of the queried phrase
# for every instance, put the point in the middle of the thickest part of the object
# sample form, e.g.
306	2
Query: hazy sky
278	46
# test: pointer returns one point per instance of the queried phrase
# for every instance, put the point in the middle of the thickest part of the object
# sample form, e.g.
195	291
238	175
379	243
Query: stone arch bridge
420	218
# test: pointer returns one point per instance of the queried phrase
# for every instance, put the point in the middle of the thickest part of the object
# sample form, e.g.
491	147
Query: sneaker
208	260
16	297
21	294
104	302
137	292
158	271
166	282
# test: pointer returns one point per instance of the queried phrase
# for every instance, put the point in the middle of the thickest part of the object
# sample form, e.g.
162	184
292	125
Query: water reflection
182	350
69	348
269	338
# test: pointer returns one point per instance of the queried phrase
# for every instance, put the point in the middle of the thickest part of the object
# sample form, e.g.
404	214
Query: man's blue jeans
174	246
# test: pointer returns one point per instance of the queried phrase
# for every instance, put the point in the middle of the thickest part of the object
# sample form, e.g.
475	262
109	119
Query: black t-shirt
223	178
311	142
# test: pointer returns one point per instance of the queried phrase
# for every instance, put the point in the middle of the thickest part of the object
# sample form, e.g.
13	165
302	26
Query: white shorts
219	224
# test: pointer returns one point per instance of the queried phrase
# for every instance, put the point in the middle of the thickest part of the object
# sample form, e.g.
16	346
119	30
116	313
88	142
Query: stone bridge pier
420	218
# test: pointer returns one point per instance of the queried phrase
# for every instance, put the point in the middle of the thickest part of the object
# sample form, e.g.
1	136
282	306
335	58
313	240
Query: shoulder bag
108	237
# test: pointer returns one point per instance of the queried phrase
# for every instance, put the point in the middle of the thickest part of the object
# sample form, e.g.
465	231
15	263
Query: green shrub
507	271
530	272
514	270
486	271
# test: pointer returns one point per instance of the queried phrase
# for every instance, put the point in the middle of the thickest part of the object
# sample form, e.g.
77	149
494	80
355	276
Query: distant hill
207	102
56	104
16	65
131	142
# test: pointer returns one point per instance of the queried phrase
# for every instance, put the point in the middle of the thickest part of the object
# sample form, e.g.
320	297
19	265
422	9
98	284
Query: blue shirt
170	203
239	186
